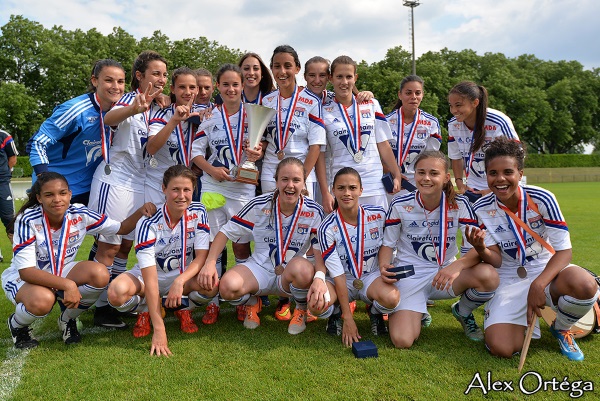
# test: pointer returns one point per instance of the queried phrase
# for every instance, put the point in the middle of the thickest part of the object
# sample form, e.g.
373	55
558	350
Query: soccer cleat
241	312
282	312
142	325
21	336
212	314
426	320
352	307
378	327
251	319
310	317
298	322
472	330
186	321
70	334
334	324
568	346
107	316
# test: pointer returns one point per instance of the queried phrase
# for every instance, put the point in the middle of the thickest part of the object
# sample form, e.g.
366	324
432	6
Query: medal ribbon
282	246
182	232
440	250
356	258
183	143
518	231
105	134
352	125
283	130
57	261
404	146
469	159
258	99
236	144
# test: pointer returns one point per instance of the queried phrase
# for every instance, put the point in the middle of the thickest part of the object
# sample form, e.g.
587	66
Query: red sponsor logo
307	214
305	100
76	220
374	217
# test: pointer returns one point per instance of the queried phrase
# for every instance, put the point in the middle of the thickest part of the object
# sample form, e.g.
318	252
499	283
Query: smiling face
316	76
230	87
431	176
346	190
178	194
503	177
251	72
463	108
55	198
290	183
185	88
411	96
343	79
155	74
284	70
110	85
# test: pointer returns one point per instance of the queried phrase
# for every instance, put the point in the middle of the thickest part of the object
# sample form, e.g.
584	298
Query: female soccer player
69	141
358	136
118	185
422	227
349	239
257	78
48	231
535	270
472	128
297	129
170	247
223	137
413	130
281	224
170	134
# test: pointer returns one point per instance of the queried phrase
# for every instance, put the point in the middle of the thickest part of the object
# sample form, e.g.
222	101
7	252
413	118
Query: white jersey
175	151
425	135
31	247
373	128
415	231
128	149
305	129
335	250
497	124
549	223
256	219
212	136
157	244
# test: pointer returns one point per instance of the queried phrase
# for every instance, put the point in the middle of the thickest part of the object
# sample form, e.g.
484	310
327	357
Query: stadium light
412	4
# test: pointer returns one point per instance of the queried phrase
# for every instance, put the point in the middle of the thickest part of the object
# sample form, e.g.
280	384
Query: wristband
319	274
456	179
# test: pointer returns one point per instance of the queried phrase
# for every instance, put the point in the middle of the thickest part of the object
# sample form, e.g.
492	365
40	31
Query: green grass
228	362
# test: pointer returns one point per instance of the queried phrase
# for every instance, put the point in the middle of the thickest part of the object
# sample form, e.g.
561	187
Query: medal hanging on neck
283	243
440	249
57	261
354	132
236	143
355	256
519	232
105	138
182	233
405	145
282	128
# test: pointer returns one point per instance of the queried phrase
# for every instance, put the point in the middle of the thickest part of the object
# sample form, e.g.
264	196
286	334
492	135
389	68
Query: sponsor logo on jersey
414	224
92	119
491	213
499	229
374	233
266	212
535	222
408	208
305	100
490	128
299	113
365	114
425	122
374	217
76	220
307	214
302	229
162	241
331	109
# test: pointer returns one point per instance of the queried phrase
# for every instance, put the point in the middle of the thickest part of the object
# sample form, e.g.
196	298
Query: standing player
48	232
358	135
222	137
472	128
534	264
413	130
422	227
8	159
171	246
349	239
75	138
257	78
118	186
282	224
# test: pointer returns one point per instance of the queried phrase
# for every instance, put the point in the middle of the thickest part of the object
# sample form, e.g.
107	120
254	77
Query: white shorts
268	282
416	290
164	281
217	218
509	304
154	195
376	200
359	295
116	202
12	281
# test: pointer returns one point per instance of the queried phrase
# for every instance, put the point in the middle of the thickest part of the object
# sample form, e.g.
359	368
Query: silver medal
107	169
153	162
358	156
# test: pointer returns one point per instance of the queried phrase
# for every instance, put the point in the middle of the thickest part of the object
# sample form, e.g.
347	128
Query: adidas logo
335	120
499	229
413	224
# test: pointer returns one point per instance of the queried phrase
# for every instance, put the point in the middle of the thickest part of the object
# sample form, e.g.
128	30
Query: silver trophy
258	117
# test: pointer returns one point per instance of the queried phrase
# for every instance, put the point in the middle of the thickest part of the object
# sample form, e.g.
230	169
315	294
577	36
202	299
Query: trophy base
247	176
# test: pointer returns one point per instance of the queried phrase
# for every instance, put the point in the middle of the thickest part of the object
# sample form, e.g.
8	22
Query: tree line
555	106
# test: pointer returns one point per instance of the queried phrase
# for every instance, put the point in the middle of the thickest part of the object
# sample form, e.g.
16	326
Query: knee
301	272
401	341
587	289
41	304
488	277
230	288
99	275
118	293
390	299
501	349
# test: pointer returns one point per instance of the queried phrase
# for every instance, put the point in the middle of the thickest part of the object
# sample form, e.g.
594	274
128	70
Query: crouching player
166	268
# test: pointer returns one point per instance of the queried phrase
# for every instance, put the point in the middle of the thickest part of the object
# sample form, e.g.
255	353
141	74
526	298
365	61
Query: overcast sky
363	29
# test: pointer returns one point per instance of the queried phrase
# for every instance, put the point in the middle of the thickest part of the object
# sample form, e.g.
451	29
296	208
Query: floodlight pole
412	4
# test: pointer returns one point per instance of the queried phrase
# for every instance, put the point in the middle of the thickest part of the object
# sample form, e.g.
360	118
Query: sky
363	29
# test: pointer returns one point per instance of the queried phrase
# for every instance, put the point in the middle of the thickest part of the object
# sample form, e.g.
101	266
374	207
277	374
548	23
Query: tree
19	114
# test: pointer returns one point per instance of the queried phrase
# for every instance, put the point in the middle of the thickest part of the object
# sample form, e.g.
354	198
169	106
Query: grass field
227	362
